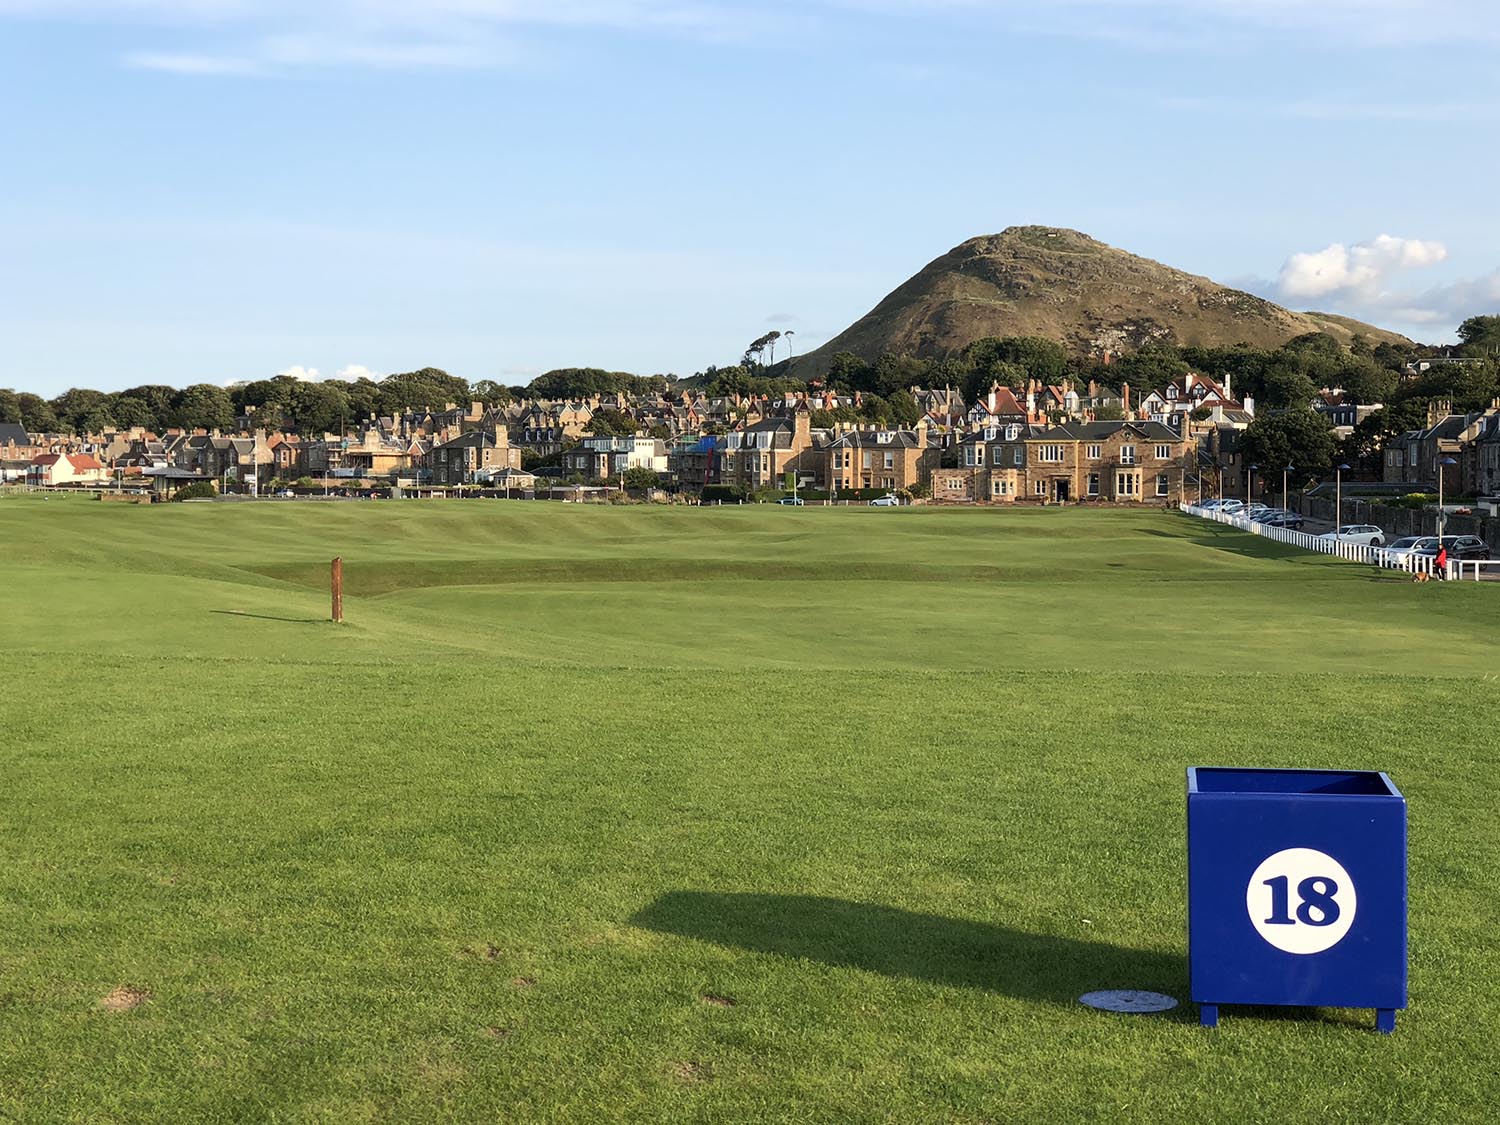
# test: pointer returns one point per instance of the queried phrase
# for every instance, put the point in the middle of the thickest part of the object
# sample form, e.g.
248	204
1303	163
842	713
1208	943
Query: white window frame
1163	452
1127	455
1093	484
1163	485
1095	452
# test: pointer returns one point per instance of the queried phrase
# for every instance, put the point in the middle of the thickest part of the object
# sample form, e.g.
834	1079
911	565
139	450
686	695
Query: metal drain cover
1128	1000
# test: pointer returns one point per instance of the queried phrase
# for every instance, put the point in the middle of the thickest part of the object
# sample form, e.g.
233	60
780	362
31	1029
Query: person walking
1441	562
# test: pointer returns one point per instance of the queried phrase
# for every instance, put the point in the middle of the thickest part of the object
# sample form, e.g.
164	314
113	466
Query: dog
1419	576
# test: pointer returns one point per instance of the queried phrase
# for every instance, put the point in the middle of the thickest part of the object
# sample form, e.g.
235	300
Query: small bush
728	493
198	490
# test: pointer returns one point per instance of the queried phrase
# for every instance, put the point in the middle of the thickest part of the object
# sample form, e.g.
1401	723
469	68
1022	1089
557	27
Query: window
1163	452
1039	488
999	457
865	459
890	460
1093	484
1020	456
1093	453
1127	455
1162	484
1052	453
1126	484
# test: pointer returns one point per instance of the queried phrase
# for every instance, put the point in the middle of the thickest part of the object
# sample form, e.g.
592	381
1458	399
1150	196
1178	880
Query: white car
1365	534
1409	545
886	502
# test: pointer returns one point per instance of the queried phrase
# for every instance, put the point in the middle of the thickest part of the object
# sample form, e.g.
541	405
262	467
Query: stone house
1129	461
455	462
760	454
879	458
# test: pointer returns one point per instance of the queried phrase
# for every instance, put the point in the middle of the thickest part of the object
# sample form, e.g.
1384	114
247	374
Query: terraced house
760	454
881	458
991	464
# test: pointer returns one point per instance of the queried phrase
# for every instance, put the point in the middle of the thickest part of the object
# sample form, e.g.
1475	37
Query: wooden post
338	590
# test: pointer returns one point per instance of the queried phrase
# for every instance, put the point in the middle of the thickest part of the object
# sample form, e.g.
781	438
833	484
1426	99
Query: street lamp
1338	501
1442	516
1285	470
1250	472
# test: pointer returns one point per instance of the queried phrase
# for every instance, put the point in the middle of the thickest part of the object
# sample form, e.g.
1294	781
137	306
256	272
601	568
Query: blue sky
216	190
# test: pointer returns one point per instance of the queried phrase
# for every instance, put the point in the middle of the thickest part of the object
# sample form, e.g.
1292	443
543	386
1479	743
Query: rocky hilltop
1066	286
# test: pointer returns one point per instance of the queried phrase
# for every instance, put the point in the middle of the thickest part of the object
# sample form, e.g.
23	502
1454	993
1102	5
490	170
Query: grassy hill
716	814
1066	286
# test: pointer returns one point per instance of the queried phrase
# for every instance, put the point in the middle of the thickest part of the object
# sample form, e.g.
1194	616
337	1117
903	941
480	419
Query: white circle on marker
1301	901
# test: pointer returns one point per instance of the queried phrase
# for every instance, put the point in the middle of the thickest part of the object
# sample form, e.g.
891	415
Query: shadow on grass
899	943
271	617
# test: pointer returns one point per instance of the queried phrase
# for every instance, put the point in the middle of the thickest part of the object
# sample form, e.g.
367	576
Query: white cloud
1362	270
304	374
1367	280
355	372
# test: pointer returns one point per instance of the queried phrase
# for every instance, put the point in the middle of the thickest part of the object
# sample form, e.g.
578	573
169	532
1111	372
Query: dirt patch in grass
718	1001
690	1071
126	998
523	982
499	1033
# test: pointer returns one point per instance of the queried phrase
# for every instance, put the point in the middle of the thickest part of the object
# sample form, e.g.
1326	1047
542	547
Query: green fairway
697	814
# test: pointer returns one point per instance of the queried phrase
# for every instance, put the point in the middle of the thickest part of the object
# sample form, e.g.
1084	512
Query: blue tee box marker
1296	890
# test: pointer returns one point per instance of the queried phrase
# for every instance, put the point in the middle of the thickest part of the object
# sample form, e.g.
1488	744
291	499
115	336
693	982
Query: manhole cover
1128	1000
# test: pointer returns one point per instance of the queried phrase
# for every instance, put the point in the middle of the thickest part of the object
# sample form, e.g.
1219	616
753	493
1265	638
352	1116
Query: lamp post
1442	516
1250	472
1285	471
1221	486
1338	501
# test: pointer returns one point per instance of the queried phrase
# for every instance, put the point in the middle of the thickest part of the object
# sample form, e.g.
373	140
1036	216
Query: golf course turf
647	813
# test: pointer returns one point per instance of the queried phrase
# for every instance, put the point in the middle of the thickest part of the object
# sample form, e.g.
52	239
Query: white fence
1353	552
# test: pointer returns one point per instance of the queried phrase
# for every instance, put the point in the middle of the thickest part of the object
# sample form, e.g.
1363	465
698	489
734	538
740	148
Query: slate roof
13	432
1097	431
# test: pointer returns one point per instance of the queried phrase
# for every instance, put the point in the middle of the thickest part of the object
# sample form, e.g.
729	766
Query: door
1060	491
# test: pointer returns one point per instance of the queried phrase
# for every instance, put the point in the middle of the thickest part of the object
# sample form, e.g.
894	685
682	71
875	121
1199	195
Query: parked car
792	501
1366	534
1230	507
1290	520
1468	547
886	502
1404	546
1263	515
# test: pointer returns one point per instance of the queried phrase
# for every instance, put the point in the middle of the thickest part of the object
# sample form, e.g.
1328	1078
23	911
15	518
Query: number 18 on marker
1301	901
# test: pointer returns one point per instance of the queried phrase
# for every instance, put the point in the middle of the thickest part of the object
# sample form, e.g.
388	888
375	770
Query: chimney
1125	398
1249	405
1229	385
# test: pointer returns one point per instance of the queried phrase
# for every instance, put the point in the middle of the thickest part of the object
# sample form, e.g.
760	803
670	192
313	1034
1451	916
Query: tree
1287	388
131	411
1297	437
321	408
640	479
492	393
904	410
10	406
96	421
203	406
73	405
608	422
37	414
1481	333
